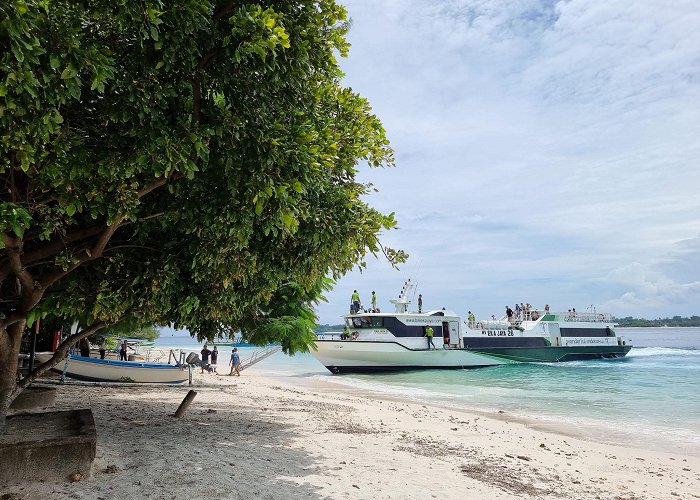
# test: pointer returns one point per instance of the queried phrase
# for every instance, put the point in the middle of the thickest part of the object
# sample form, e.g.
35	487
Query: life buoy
535	315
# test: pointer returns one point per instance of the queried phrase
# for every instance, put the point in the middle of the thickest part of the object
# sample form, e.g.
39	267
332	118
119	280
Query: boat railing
492	324
329	335
581	316
259	354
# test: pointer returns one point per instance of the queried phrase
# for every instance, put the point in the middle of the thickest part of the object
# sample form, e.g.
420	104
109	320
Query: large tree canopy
191	163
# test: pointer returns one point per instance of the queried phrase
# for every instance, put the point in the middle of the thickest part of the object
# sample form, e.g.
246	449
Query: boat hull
371	356
104	370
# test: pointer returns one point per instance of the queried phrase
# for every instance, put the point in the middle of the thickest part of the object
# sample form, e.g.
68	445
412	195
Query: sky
546	152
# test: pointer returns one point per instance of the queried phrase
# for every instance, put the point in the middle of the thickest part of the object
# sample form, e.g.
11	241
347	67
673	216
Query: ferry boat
397	341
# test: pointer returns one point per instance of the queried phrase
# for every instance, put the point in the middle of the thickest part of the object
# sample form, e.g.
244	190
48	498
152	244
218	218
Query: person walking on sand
235	362
205	356
429	334
214	357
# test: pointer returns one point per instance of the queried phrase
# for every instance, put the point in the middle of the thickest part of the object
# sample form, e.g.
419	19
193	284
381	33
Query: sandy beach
257	437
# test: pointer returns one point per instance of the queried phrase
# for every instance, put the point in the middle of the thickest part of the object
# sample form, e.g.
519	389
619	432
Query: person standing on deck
355	302
471	319
205	356
374	301
509	314
420	303
429	335
235	362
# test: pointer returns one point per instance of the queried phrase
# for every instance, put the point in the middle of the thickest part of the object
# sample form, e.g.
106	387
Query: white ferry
397	341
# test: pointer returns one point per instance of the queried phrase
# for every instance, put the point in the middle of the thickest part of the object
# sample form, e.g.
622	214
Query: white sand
253	437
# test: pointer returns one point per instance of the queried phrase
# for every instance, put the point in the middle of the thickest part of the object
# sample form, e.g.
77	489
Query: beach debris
455	428
509	456
211	410
75	477
523	457
355	486
543	446
111	469
180	412
501	411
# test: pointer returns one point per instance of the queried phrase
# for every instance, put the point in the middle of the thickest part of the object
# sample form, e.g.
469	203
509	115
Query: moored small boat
108	370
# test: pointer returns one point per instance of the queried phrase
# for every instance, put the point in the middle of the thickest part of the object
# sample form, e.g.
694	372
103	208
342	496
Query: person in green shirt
355	302
429	335
346	333
471	319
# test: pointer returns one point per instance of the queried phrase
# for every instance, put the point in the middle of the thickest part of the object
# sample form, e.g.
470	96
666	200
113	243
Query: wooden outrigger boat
109	370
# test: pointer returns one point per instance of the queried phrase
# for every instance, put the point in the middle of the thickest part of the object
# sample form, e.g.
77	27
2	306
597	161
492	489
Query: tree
192	164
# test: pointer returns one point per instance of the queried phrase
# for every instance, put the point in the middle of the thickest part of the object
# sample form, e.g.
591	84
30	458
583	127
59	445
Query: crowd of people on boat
525	312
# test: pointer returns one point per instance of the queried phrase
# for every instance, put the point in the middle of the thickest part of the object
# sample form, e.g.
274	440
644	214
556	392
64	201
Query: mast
401	303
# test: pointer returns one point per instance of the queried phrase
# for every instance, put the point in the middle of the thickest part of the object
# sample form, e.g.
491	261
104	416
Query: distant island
675	321
328	328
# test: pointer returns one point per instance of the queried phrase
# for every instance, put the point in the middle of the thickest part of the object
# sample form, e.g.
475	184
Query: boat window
398	329
377	322
357	322
584	332
389	323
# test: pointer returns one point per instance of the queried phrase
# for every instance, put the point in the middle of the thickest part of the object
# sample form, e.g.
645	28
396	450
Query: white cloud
546	151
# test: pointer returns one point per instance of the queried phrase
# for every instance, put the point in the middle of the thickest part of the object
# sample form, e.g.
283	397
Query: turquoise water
650	397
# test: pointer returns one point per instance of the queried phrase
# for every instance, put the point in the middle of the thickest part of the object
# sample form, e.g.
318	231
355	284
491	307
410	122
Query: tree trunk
10	340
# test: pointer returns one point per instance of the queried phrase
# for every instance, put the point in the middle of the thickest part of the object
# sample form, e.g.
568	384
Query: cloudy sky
547	152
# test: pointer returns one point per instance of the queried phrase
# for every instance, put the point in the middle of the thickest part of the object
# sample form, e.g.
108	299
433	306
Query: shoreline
592	430
259	436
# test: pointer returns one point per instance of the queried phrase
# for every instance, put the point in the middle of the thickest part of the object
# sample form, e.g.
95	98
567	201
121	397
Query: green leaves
14	218
222	145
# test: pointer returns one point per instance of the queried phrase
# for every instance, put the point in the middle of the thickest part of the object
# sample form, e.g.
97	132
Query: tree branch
14	255
155	185
58	245
57	357
223	10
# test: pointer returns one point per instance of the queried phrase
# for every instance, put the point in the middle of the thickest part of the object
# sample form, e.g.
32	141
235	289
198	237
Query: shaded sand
254	437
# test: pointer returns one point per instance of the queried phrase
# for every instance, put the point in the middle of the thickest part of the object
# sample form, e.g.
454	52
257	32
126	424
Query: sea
650	398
